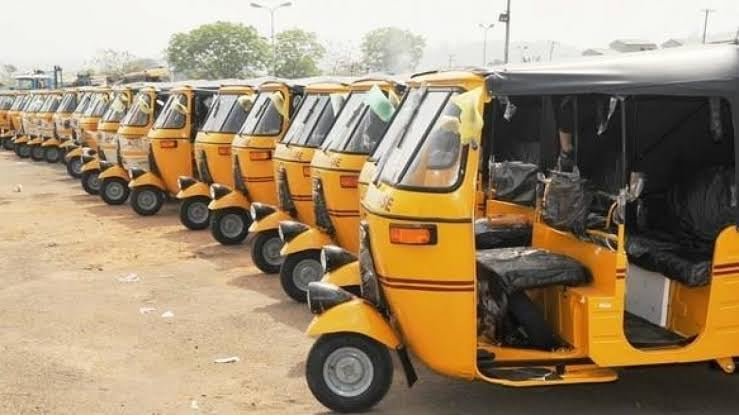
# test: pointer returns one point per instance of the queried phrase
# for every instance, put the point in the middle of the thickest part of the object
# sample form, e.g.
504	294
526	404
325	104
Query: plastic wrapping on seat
522	268
566	202
489	234
691	267
515	182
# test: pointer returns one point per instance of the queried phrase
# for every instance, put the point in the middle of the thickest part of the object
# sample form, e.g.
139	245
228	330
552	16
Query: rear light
414	235
224	151
306	171
168	144
260	156
349	181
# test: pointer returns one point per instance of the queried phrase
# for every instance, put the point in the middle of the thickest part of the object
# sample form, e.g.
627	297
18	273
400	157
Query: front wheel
74	167
194	213
23	150
37	152
348	373
91	182
230	226
298	270
114	191
52	154
265	251
8	143
147	200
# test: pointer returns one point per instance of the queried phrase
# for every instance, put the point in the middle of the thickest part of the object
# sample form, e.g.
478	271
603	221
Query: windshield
266	118
227	114
361	124
140	113
84	102
117	108
51	104
98	105
6	102
174	114
18	103
36	104
313	120
68	104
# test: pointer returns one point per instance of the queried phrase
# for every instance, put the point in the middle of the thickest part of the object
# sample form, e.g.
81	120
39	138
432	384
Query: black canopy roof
711	70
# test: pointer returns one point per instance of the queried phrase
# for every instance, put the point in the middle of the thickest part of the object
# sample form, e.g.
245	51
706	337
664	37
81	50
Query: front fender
53	142
234	199
347	275
35	141
311	239
68	144
115	171
147	179
355	316
197	189
76	152
91	165
20	140
270	222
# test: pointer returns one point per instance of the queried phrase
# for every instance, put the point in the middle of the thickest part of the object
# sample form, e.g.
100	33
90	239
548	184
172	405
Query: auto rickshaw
60	128
44	124
85	130
13	114
335	169
68	132
28	124
133	144
171	150
252	150
107	142
7	99
213	153
634	259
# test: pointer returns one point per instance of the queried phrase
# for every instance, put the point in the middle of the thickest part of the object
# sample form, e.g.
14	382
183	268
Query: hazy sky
69	32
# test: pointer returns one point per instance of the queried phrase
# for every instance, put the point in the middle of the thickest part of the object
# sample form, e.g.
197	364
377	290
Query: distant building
715	38
598	52
632	45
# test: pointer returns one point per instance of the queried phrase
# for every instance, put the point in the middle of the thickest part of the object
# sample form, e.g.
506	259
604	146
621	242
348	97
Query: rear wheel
37	152
230	226
147	200
265	251
52	154
74	167
91	181
194	212
23	150
348	373
114	191
298	270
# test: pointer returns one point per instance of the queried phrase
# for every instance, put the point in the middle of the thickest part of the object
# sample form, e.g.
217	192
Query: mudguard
92	165
355	316
311	239
234	199
270	222
35	141
53	142
20	139
197	189
76	152
115	171
344	276
148	179
68	144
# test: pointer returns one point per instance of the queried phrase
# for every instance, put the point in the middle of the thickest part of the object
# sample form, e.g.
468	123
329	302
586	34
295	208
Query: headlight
253	212
87	158
135	172
324	296
105	165
218	191
260	211
185	182
335	257
288	230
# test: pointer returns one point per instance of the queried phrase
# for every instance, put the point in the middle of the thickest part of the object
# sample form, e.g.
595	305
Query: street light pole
507	29
705	23
485	28
272	11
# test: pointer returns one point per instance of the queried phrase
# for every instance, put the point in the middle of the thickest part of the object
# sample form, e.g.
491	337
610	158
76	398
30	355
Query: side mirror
637	181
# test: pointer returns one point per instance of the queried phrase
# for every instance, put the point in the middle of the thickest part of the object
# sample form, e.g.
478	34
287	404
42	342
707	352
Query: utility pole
551	49
705	23
272	10
451	61
506	18
485	28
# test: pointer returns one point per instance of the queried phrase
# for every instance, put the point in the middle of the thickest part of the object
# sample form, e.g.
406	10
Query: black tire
74	167
114	191
262	251
147	200
194	213
52	154
8	143
91	182
37	152
222	219
367	396
23	150
298	270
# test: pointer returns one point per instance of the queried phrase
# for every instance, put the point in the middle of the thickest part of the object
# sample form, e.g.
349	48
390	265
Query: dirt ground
75	339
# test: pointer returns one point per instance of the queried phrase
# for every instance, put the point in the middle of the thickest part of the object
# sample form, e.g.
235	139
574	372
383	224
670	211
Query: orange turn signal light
260	155
349	181
168	144
224	151
415	235
306	171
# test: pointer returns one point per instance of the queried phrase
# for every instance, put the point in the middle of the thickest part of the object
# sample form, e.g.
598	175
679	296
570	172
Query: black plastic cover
284	197
489	235
515	182
522	268
567	202
691	267
320	208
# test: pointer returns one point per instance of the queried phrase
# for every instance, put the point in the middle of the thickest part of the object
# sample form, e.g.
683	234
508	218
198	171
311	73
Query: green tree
218	50
297	54
114	64
392	49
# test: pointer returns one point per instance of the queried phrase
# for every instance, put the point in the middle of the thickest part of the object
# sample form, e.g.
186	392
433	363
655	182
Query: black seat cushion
489	234
663	254
521	268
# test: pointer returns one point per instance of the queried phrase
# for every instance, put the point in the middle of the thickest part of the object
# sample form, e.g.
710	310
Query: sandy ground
73	338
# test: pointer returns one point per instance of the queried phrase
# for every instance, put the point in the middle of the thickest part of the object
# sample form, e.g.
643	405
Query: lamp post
272	10
506	18
485	28
705	22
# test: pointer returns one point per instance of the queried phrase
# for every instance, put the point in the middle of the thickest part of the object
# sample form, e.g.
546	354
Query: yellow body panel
313	238
234	199
270	222
91	166
347	275
197	189
115	171
147	179
355	316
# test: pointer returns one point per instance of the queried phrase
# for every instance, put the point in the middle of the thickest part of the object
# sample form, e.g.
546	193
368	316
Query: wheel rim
38	152
147	200
198	212
52	153
76	166
114	191
271	251
231	225
306	271
93	182
25	150
348	372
